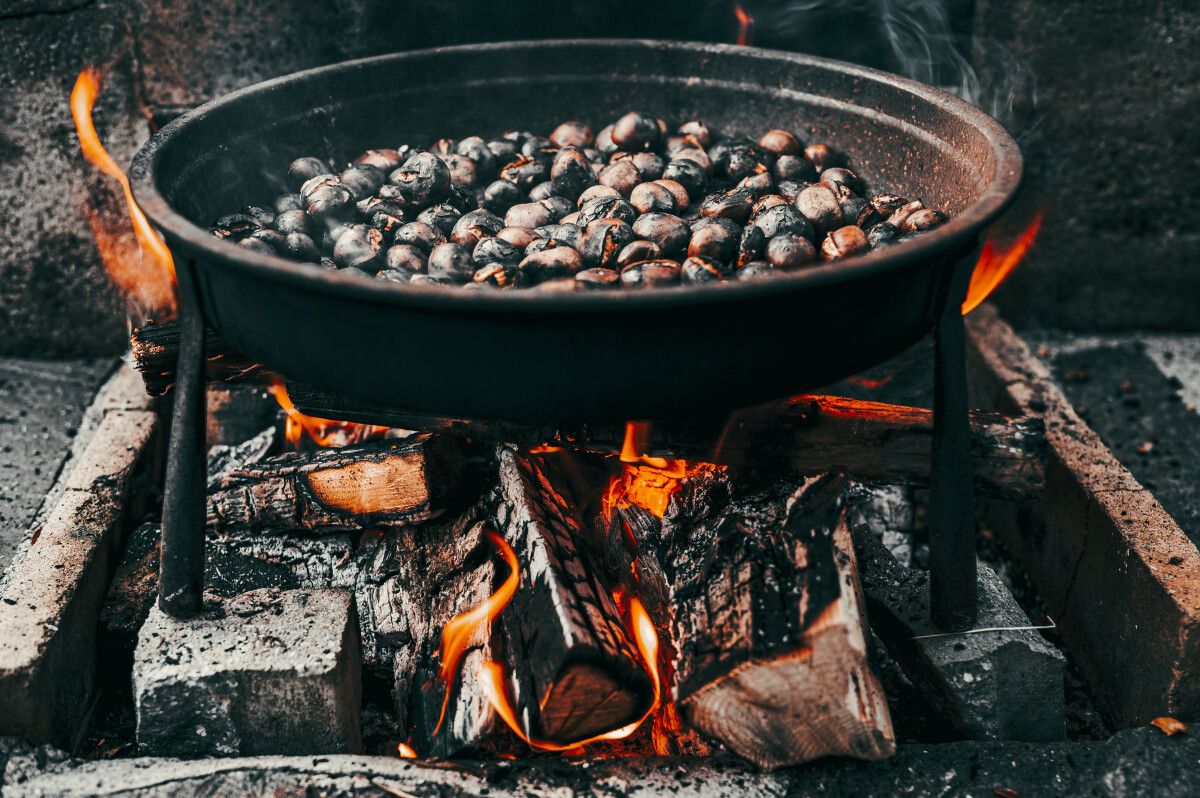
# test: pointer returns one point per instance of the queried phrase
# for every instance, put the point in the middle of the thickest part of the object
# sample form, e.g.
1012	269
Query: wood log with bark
382	483
155	348
765	616
873	442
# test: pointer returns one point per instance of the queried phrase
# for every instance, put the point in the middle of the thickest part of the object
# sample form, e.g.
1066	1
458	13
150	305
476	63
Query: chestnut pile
631	206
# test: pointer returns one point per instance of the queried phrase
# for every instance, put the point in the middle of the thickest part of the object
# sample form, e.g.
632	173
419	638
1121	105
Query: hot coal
633	205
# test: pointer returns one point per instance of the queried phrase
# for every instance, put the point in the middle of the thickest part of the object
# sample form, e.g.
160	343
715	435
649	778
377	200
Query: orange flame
493	677
649	482
154	284
323	431
464	629
745	25
995	264
406	751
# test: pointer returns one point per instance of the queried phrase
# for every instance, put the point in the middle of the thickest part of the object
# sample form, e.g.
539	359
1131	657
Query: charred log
575	671
388	482
764	613
155	349
874	442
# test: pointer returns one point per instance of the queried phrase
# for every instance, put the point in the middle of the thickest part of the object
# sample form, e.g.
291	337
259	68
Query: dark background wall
1103	95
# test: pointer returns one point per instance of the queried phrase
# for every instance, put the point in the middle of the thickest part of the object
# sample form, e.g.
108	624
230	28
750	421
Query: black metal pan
588	356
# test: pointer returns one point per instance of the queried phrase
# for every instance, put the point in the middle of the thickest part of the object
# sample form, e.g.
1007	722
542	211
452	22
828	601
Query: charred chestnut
843	179
821	206
751	246
528	214
649	165
887	204
304	169
495	250
636	131
572	134
697	130
652	197
823	157
843	242
713	241
698	269
293	222
550	264
596	192
602	240
756	270
519	237
921	220
461	168
406	258
682	200
780	142
620	175
607	208
650	273
300	246
637	251
473	226
598	278
362	181
734	204
475	148
500	275
688	174
442	216
794	167
359	247
501	195
423	180
450	262
784	219
789	251
421	235
571	173
669	232
882	234
236	226
525	172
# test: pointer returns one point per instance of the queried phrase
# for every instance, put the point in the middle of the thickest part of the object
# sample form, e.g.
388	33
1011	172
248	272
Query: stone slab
265	672
1139	762
1115	571
42	403
50	602
991	685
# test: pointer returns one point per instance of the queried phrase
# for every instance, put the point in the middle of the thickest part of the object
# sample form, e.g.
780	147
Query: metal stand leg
181	566
952	500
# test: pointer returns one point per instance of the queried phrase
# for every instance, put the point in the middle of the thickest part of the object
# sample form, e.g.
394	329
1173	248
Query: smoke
927	40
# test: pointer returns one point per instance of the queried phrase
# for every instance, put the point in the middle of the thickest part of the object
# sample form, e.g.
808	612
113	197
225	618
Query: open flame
649	482
995	264
493	677
323	431
149	278
405	751
464	629
745	25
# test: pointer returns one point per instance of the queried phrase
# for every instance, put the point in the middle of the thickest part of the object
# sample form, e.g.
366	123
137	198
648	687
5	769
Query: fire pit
818	325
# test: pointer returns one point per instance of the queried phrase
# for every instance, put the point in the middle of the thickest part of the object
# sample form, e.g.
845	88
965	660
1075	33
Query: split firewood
874	442
155	348
387	482
765	614
575	671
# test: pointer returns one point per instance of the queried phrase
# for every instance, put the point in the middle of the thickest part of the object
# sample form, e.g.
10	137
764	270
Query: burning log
388	482
155	348
576	673
760	592
873	442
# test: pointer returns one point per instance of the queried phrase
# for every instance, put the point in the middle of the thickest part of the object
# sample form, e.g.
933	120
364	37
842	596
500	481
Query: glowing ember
493	678
406	751
745	26
995	264
323	431
465	629
151	278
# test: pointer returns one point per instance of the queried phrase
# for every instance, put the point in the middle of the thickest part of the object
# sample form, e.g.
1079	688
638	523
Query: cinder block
267	672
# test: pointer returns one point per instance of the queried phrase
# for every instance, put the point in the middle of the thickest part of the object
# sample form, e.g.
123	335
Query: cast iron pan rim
957	234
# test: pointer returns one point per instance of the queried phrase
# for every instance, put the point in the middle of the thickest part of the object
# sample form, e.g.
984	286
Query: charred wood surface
155	349
576	672
874	442
388	482
765	618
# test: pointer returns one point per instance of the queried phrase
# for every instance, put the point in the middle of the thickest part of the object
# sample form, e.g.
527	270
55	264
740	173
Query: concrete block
267	672
993	685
